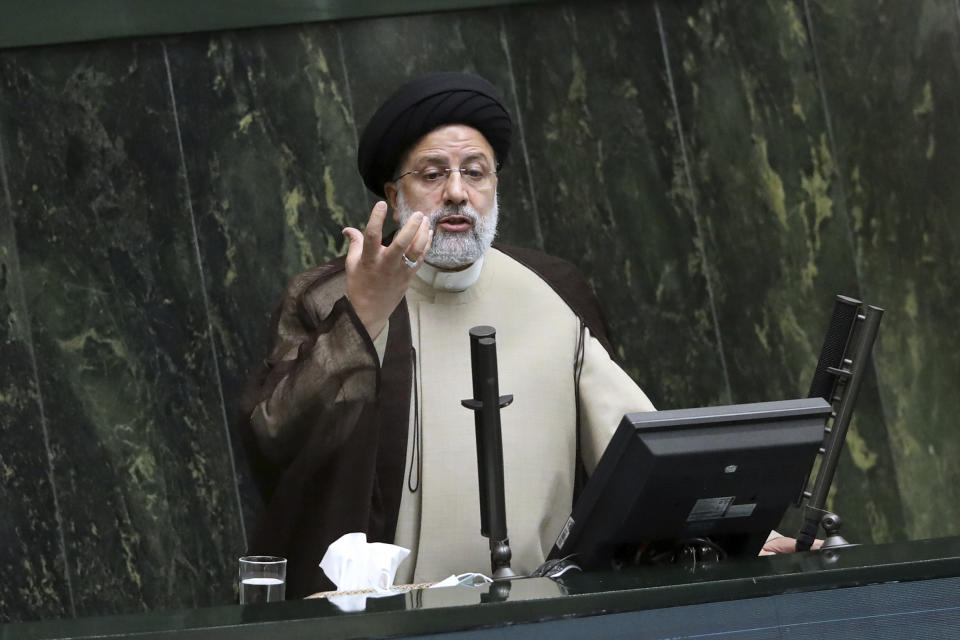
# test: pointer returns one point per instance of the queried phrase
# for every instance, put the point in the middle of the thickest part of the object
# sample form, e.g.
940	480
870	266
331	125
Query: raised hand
378	276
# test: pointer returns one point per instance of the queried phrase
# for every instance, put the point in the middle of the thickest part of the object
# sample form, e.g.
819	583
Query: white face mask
456	249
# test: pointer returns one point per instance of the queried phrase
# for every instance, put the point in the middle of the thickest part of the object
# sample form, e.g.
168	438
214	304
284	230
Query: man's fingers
421	243
407	233
356	242
429	242
373	233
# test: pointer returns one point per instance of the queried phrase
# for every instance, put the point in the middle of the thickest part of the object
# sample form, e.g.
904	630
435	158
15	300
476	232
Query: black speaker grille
834	345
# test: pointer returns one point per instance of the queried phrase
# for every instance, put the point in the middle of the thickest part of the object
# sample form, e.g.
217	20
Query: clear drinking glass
262	579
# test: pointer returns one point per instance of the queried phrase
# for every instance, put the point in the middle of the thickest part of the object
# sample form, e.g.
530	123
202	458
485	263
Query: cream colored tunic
536	345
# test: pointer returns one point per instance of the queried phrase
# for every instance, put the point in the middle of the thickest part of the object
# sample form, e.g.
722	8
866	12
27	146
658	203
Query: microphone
486	404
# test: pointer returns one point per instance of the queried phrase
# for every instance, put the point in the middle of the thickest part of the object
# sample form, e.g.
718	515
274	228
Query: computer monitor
726	473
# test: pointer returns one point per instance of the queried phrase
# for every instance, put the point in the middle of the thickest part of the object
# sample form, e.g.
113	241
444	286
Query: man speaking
356	415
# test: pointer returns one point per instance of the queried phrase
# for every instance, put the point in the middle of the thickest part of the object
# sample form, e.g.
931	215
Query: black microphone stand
840	371
486	404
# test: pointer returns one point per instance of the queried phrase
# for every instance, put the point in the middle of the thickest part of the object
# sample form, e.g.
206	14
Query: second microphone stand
840	372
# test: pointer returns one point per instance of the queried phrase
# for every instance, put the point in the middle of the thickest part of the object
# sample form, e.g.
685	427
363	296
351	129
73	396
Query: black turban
419	107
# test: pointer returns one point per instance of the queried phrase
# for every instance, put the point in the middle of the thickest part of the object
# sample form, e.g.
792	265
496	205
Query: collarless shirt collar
452	281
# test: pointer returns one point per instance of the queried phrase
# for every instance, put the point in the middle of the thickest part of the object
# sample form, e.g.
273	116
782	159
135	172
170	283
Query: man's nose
454	190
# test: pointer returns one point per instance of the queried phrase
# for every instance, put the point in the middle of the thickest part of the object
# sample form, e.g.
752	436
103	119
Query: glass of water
262	579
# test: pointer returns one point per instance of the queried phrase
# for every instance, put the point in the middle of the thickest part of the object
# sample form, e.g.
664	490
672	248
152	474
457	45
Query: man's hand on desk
784	544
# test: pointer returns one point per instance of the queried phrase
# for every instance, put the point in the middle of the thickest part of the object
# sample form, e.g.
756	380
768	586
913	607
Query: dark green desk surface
934	562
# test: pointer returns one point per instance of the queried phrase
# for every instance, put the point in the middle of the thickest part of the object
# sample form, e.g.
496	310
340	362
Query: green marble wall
893	94
775	228
719	170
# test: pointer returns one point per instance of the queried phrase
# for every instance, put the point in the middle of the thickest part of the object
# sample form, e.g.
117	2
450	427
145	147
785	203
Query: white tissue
462	580
353	564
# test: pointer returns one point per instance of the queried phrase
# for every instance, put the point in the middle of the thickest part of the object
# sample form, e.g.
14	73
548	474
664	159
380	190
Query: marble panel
270	150
138	445
891	74
381	54
776	231
608	175
30	555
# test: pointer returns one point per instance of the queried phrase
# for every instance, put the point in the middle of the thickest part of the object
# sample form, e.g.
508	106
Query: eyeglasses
475	176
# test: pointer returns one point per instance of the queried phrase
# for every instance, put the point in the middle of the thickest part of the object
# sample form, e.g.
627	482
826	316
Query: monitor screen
726	473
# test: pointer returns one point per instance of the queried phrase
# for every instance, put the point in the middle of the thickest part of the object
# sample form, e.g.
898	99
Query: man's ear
391	191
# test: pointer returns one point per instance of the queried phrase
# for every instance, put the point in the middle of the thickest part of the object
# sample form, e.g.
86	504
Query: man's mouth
455	223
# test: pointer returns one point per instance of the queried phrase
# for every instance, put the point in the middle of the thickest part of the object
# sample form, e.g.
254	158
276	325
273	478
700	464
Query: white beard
456	249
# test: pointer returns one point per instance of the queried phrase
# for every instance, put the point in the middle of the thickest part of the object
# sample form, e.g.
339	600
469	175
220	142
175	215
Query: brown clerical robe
330	424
